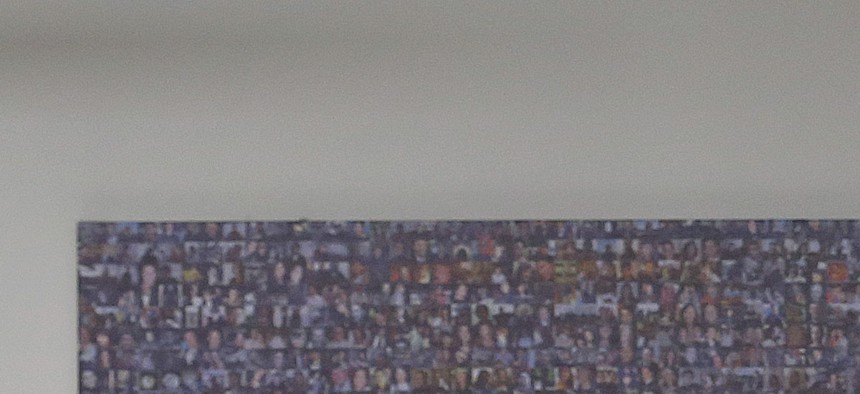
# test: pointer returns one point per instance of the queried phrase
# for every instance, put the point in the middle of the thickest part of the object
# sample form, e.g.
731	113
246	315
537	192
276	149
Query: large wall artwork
608	306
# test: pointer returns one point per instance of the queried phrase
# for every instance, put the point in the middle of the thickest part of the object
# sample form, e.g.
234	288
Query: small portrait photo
629	379
420	379
440	295
441	379
255	253
401	382
361	380
195	252
232	251
135	252
545	270
121	379
607	378
627	293
481	379
359	273
400	273
461	294
90	381
235	231
442	273
380	379
148	381
340	380
584	378
422	274
798	378
461	379
474	272
170	252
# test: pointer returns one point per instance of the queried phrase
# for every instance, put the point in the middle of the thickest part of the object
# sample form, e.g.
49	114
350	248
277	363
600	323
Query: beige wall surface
398	110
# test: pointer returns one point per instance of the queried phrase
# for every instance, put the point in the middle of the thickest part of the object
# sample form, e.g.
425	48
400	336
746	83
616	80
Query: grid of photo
529	306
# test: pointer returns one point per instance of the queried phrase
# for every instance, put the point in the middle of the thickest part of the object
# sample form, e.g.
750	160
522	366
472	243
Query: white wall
180	110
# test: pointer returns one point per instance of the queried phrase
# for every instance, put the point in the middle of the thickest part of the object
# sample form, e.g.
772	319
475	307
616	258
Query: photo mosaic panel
645	306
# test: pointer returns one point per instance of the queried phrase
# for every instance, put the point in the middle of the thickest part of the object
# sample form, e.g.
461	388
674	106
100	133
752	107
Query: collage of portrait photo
568	306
